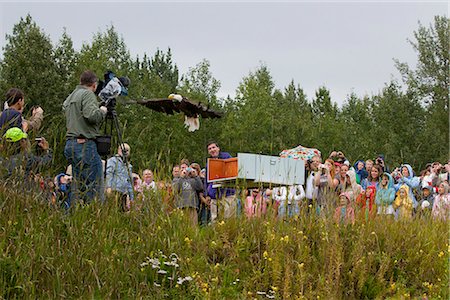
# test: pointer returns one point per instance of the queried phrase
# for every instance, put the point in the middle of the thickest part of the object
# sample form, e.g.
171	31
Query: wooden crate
222	169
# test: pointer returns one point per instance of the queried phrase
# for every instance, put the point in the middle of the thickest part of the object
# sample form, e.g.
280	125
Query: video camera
110	88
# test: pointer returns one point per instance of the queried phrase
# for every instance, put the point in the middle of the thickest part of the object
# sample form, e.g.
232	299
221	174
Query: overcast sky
344	46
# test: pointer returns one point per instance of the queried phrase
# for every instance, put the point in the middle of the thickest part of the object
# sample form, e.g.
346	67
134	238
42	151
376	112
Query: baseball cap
15	134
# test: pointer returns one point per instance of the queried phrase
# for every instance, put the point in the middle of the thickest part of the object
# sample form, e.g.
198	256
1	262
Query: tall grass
98	252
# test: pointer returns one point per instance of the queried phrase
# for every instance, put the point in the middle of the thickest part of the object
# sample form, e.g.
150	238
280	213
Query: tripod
112	122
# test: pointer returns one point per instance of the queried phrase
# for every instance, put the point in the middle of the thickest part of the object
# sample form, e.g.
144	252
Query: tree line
407	121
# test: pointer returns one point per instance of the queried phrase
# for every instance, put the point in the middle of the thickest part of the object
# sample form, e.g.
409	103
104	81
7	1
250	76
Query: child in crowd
279	195
441	205
204	209
63	194
369	165
405	176
426	201
349	185
403	203
366	202
385	195
165	192
360	170
186	189
136	183
344	213
148	184
255	204
373	178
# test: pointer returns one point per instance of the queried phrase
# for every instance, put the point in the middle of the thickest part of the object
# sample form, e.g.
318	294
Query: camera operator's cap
15	134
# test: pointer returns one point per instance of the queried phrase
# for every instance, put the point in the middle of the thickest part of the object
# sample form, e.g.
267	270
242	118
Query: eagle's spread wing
188	107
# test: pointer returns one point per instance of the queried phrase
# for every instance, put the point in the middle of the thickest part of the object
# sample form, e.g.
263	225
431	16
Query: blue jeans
86	171
290	210
204	215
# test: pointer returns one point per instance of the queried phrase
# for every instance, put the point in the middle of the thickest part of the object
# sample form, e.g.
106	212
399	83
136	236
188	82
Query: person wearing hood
344	213
406	177
360	170
441	205
118	175
63	190
403	203
350	186
427	199
385	195
366	203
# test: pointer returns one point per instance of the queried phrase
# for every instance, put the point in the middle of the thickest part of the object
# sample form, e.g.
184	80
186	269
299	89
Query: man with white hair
118	175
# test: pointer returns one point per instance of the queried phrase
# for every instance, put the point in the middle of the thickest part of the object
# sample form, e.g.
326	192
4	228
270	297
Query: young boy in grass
426	201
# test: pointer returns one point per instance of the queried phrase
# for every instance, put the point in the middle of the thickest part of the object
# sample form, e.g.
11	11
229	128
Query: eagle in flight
176	103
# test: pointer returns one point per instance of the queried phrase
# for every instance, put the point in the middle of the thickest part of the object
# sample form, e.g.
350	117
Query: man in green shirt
83	120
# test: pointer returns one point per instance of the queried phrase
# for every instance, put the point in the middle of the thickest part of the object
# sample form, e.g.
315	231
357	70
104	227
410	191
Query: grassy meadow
99	252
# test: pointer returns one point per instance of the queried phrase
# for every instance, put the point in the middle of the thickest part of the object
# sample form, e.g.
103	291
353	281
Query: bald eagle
175	103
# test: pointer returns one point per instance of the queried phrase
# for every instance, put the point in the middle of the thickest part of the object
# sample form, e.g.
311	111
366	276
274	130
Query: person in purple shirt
223	200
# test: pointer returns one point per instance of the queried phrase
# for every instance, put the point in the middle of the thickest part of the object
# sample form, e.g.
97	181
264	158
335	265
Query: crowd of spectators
364	190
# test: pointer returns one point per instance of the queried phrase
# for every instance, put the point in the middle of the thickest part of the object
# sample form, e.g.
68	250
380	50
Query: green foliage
430	81
66	60
107	51
357	126
250	127
46	254
327	128
407	126
28	63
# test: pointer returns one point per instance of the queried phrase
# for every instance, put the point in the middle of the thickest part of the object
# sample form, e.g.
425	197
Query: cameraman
83	120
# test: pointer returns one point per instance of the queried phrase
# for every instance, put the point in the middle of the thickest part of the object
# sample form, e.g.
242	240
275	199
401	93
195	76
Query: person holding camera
17	152
380	161
186	189
326	183
11	116
118	175
83	120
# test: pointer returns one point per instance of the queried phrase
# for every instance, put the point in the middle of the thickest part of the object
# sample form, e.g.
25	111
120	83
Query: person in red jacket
366	203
